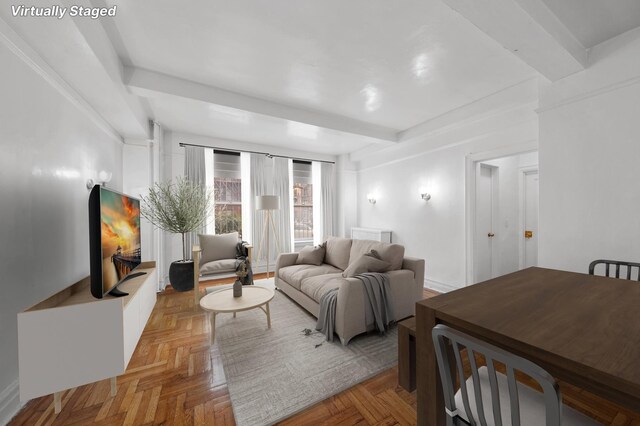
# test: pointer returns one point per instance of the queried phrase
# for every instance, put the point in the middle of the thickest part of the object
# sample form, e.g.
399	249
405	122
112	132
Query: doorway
529	210
503	215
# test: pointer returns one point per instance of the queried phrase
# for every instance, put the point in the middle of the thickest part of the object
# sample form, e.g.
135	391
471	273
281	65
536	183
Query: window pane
302	202
228	193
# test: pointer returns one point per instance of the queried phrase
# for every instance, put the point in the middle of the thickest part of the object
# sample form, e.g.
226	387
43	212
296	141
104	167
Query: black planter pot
181	275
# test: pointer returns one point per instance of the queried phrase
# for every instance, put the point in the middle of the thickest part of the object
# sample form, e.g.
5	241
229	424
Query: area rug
275	373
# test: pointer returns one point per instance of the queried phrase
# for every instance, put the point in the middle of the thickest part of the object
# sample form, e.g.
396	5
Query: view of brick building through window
227	193
302	202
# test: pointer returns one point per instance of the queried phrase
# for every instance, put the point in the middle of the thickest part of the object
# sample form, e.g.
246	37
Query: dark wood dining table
583	329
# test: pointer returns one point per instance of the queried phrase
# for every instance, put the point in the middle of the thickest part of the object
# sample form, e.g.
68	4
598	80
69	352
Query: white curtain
282	187
270	176
195	172
258	177
316	180
247	200
328	194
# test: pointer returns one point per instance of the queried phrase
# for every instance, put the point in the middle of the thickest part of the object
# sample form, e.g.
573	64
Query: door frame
470	194
523	172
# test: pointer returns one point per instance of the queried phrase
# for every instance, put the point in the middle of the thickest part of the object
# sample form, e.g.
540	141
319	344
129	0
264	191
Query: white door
484	233
530	219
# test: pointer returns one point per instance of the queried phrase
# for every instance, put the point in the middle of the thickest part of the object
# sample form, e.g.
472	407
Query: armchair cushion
218	266
217	247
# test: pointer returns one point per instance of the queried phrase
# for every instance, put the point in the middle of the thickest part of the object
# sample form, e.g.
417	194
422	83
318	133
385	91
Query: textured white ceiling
595	21
382	62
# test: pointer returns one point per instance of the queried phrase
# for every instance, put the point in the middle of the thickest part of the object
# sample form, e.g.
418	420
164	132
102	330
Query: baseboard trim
9	403
439	286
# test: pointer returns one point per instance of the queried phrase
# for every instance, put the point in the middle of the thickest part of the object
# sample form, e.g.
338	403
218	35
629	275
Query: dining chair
630	266
494	396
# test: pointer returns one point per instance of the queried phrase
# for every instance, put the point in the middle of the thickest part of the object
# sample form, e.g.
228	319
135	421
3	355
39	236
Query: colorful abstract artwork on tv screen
120	222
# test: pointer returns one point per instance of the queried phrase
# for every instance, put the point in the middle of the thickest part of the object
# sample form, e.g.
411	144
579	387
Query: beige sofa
306	283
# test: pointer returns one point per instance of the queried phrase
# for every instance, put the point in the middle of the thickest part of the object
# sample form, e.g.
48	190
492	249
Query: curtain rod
182	144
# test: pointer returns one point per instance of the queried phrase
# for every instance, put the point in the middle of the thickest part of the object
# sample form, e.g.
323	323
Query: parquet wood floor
175	378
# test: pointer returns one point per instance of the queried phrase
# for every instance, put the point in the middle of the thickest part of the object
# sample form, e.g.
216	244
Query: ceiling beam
102	48
529	30
153	84
510	101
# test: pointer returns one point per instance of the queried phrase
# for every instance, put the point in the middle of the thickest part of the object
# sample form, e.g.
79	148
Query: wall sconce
371	198
424	194
104	177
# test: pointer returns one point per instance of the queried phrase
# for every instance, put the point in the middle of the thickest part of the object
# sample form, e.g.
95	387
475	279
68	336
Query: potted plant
178	207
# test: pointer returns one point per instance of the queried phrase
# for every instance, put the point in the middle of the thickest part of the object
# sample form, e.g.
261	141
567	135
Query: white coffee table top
223	300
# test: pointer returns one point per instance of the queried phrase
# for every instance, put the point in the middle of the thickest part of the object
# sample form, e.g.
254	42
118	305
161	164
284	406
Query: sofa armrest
417	266
286	259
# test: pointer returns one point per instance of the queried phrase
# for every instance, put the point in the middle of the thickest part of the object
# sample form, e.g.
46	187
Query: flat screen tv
114	237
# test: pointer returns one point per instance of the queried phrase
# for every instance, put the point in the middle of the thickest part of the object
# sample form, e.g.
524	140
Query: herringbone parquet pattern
176	378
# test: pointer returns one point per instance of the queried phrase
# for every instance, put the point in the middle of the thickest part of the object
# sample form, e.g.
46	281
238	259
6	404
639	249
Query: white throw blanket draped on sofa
376	286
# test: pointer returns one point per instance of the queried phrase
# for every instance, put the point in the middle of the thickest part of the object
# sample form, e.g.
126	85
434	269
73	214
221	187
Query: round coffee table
222	301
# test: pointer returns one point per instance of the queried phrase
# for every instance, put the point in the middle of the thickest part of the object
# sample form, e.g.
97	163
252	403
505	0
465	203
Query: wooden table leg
406	359
57	402
268	316
213	327
429	389
113	386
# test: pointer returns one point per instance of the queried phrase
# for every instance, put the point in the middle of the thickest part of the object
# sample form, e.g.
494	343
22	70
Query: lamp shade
267	202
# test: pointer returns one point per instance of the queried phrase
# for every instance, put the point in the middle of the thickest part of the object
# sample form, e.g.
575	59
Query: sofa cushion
218	266
366	263
294	274
311	255
316	287
392	253
216	247
338	252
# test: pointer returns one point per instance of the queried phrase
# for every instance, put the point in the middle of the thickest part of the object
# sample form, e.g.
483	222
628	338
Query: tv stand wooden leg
57	402
114	382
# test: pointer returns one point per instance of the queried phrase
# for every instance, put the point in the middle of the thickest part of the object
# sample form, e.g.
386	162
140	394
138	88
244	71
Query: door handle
528	234
491	235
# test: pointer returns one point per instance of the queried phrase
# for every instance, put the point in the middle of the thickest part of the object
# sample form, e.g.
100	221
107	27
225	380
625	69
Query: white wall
589	160
136	177
435	230
49	147
347	194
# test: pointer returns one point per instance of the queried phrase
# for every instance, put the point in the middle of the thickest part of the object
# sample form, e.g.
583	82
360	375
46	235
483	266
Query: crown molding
590	94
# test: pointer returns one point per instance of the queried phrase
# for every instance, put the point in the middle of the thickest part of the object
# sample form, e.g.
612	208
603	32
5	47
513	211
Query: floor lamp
267	203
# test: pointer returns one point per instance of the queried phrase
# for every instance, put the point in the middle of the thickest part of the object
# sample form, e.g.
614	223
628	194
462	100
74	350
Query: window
302	202
227	192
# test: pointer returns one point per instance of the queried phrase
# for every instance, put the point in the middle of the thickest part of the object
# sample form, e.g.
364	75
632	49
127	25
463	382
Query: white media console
72	339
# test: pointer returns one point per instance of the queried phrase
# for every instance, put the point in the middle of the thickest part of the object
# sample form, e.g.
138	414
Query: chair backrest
628	268
443	336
